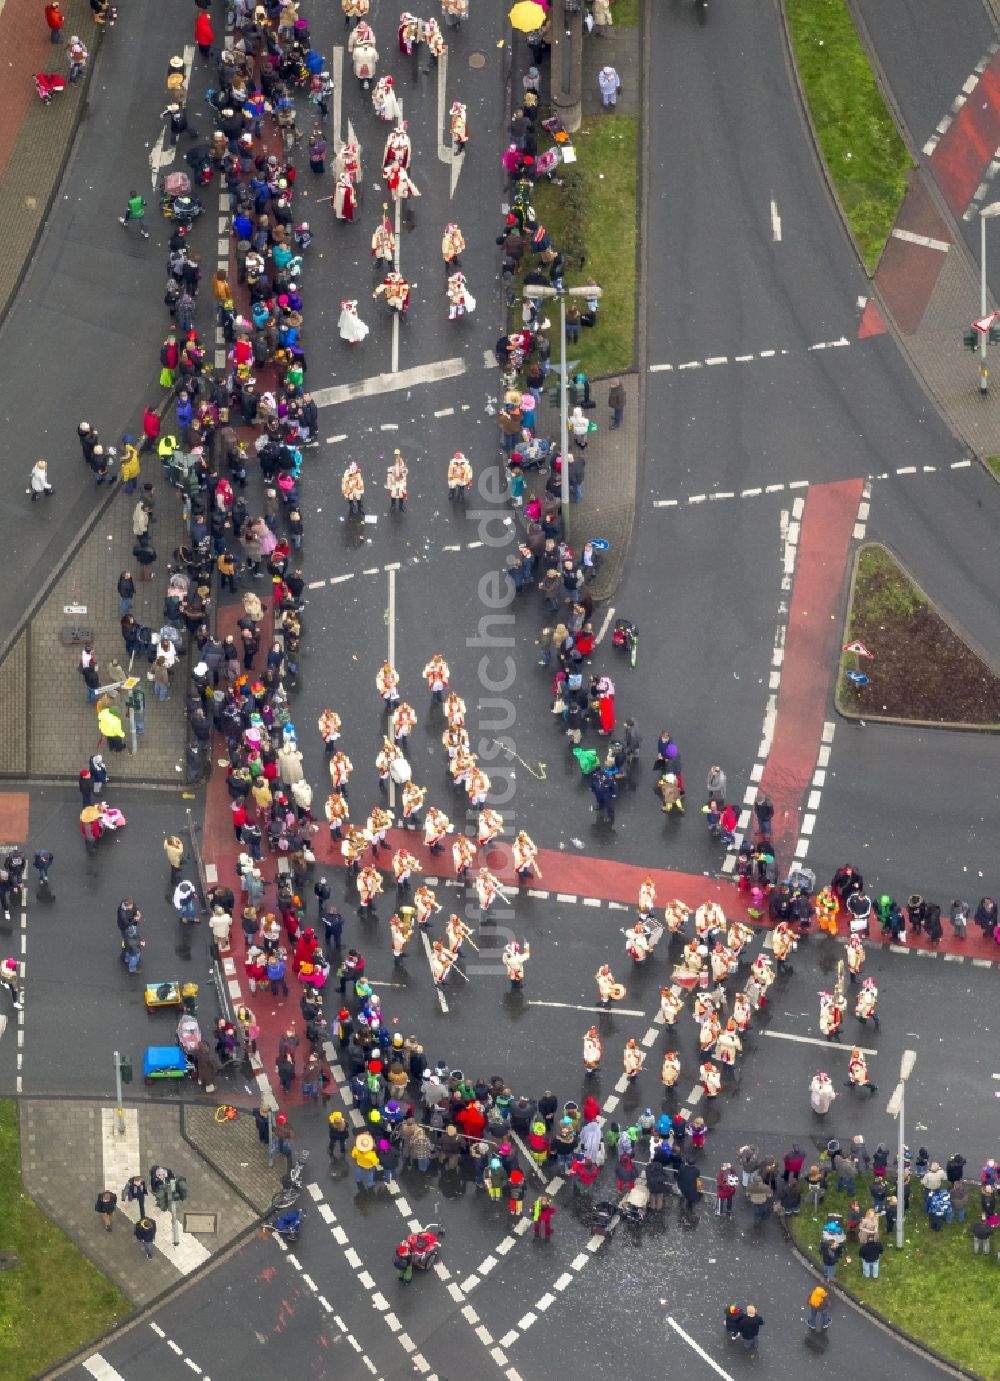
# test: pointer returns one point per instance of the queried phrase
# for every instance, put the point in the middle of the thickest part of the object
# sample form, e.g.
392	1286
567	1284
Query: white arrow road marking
337	72
161	155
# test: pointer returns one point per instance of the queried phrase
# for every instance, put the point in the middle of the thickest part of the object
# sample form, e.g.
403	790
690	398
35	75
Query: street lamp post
986	213
897	1110
536	292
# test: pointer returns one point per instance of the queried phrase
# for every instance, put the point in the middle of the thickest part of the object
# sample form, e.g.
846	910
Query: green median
935	1289
52	1300
864	153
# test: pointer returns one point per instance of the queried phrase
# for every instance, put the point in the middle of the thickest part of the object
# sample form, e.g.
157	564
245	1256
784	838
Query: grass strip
864	153
54	1300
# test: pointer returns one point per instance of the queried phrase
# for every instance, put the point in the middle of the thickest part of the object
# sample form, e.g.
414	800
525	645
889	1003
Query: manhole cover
477	60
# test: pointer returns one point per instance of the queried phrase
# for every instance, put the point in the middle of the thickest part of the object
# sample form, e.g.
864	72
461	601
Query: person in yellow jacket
129	465
366	1162
110	725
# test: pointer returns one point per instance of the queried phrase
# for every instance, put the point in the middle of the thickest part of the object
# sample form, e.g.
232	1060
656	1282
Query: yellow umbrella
527	16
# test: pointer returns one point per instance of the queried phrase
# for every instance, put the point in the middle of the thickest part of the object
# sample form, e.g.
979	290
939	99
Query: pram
188	1034
47	85
636	1203
602	1218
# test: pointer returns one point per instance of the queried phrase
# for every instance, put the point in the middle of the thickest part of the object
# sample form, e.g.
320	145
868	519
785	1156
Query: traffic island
52	1299
935	1291
903	662
866	160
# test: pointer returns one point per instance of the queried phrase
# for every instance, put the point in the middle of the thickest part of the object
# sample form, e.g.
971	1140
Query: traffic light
162	1198
180	1187
125	1065
995	335
970	339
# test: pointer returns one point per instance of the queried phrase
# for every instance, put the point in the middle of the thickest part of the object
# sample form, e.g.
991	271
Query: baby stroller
173	185
47	85
602	1218
188	1034
636	1204
625	638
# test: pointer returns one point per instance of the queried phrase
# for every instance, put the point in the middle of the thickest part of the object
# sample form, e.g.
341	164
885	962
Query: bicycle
289	1194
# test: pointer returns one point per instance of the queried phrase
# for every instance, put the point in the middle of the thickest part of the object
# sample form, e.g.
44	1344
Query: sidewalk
70	1152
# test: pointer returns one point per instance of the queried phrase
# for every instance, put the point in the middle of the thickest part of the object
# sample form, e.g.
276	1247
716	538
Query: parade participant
454	710
352	848
710	1079
397	149
403	190
728	1045
490	825
378	823
855	957
709	920
687	972
329	728
436	826
388	754
462	761
477	787
364	54
525	855
385	102
463	853
723	962
440	962
607	988
341	768
404	719
348	162
454	11
383	239
515	957
408	33
437	674
396	290
426	903
671	1006
831	1016
633	1059
431	34
763	973
675	915
857	1072
742	1012
670	1071
593	1050
456	931
487	889
460	300
670	794
647	898
864	1008
403	864
351	327
387	684
395	482
738	937
821	1093
637	945
827	907
369	887
399	935
354	9
352	486
708	1033
452	245
413	801
783	944
345	199
459	475
458	119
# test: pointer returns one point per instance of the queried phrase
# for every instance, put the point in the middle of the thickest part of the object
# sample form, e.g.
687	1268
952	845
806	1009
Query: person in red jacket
471	1121
55	19
150	428
204	34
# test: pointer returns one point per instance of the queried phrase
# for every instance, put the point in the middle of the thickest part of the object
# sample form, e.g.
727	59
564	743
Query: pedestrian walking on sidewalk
106	1204
616	402
135	1193
135	210
77	57
173	847
55	19
610	84
145	1235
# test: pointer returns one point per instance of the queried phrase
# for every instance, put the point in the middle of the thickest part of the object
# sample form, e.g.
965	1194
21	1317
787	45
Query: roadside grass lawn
994	463
625	14
865	155
594	214
934	1289
921	669
54	1300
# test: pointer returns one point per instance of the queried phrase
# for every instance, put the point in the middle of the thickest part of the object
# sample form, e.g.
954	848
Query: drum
400	771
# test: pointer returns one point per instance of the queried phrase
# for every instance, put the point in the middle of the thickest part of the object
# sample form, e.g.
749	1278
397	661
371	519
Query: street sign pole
119	1100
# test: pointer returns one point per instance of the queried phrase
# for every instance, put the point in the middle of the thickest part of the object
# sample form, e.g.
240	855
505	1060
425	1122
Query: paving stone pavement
65	1166
235	1150
618	48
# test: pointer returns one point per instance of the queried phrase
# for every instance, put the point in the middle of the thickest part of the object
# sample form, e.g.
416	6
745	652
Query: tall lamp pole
986	213
897	1109
535	292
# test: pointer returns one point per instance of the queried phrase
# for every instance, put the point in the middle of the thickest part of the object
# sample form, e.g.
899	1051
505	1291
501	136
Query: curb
856	716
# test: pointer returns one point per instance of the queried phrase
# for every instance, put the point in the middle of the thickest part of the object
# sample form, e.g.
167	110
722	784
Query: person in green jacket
135	210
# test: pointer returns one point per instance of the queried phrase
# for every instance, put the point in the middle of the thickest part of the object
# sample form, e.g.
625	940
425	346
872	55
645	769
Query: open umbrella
527	16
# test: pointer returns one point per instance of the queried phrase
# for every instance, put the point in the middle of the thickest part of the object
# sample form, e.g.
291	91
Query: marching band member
396	291
670	1070
722	961
525	852
403	864
385	102
454	12
687	972
515	957
404	718
831	1015
738	937
647	898
458	118
857	1072
387	682
452	245
460	300
378	822
329	728
703	1006
397	149
352	847
607	988
855	957
708	1033
487	887
728	1044
433	37
490	826
463	853
455	740
783	943
436	826
709	918
454	710
408	33
345	199
742	1012
386	756
352	486
437	675
413	800
675	915
762	972
440	961
455	932
821	1093
402	187
710	1079
637	943
459	474
461	765
593	1050
864	1008
384	239
477	787
341	768
354	9
399	935
671	1006
426	903
633	1059
395	482
337	812
348	162
369	887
